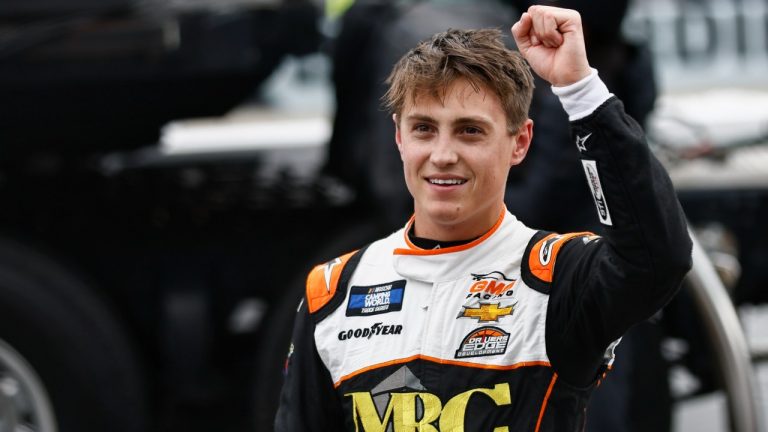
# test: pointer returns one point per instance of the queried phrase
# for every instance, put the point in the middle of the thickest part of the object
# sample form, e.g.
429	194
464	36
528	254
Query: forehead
460	96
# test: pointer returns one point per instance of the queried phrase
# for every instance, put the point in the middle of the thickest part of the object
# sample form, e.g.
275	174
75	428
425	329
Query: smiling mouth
446	182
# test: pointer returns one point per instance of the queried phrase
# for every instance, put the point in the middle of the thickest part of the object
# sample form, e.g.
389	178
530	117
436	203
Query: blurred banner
704	42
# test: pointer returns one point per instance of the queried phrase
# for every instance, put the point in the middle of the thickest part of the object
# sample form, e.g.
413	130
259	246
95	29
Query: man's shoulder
323	281
327	282
542	253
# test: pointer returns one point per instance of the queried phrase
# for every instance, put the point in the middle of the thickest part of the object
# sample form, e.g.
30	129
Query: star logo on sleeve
328	272
581	141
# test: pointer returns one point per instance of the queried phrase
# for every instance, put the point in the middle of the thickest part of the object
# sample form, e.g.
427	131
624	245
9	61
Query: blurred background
171	169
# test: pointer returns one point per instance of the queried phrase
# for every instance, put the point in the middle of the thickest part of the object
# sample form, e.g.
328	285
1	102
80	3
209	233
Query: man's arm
308	401
603	286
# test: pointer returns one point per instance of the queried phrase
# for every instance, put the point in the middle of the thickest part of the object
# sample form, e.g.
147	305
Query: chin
445	213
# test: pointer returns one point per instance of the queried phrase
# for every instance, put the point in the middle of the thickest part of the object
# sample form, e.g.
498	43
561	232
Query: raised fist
552	41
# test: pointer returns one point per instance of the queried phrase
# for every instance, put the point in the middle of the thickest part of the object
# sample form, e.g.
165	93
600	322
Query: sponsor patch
378	329
545	253
494	275
487	312
482	342
408	409
581	141
376	299
489	286
593	179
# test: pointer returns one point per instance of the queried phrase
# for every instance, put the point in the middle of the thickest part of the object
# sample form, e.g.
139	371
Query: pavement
709	413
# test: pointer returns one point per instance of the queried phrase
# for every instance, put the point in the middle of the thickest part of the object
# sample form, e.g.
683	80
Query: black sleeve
601	287
308	401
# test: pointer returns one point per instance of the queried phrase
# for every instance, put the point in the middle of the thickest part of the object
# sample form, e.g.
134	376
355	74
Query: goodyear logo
482	342
422	411
369	332
376	299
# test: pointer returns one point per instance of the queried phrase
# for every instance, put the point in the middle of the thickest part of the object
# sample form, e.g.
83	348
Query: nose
443	152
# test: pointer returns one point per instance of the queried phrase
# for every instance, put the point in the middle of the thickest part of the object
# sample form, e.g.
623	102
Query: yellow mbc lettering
401	410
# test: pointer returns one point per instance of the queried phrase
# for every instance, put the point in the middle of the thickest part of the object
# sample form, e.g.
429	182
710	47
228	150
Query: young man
466	319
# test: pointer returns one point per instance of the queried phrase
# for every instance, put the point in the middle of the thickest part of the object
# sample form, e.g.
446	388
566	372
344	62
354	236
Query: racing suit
509	332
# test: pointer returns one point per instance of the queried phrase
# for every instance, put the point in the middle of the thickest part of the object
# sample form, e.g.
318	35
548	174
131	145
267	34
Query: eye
471	131
422	128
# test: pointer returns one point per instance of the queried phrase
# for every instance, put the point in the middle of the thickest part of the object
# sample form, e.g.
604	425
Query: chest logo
489	312
483	342
487	286
376	299
377	329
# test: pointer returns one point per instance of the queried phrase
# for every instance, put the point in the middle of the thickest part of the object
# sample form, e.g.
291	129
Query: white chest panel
469	308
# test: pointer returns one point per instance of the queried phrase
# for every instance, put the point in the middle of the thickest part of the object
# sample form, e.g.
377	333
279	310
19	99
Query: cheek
410	169
492	178
496	171
412	158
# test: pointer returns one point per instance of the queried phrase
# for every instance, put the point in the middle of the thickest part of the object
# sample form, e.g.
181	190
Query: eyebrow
419	117
459	121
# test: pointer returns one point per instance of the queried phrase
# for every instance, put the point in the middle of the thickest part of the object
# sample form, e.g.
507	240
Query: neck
425	227
426	243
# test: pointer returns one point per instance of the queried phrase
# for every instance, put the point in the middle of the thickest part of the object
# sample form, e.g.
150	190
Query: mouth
446	181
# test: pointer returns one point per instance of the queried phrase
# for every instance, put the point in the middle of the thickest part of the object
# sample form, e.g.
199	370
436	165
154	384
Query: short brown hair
479	56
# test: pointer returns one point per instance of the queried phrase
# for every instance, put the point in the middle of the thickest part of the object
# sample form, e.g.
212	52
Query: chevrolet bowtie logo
487	312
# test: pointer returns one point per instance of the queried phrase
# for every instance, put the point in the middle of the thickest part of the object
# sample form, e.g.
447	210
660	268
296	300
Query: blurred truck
141	290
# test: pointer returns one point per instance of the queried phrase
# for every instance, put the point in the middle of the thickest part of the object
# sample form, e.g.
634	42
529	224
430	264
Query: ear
398	138
522	142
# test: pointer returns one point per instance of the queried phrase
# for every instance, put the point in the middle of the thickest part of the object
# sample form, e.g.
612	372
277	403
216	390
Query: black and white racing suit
510	332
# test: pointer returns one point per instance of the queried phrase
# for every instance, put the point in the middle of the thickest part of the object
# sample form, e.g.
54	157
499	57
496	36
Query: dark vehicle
140	291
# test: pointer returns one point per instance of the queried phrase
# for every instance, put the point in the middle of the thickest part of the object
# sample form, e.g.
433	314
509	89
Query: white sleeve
583	97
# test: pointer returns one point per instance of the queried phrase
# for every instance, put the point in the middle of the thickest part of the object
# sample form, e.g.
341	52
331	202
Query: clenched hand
552	41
